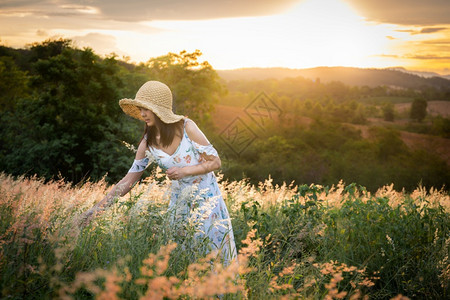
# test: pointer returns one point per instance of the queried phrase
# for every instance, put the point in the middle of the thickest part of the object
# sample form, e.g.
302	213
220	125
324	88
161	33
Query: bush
419	109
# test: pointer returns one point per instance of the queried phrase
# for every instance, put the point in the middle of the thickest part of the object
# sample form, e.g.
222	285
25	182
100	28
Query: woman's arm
119	190
210	162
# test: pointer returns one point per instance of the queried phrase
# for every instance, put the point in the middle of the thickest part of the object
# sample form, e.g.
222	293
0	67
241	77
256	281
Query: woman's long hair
167	132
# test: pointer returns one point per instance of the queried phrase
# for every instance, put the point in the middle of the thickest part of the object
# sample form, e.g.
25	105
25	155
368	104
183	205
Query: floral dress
196	201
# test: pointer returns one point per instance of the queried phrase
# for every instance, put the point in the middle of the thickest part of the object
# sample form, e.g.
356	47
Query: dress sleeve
208	149
139	165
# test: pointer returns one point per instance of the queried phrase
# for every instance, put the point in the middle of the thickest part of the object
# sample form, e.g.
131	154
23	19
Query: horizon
394	68
290	34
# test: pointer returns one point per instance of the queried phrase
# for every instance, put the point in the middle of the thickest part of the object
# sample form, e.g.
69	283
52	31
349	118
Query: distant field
434	108
433	144
224	115
384	99
403	104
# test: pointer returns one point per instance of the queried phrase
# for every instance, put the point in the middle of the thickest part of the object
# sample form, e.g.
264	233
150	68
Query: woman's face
148	116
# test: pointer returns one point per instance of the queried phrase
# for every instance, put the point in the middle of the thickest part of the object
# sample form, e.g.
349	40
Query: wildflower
436	236
111	287
390	241
129	146
253	246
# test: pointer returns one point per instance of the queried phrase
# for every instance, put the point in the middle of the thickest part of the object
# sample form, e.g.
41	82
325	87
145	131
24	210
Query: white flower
129	146
390	241
150	156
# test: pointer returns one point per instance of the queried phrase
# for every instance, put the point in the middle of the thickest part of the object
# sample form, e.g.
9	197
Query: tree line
338	102
326	152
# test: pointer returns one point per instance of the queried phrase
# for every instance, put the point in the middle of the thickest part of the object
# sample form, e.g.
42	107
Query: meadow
294	242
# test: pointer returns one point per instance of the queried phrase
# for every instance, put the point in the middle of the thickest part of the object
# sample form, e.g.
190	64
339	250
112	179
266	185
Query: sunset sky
232	34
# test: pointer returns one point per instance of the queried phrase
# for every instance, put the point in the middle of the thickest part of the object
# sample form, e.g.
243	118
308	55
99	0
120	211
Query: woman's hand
85	218
176	173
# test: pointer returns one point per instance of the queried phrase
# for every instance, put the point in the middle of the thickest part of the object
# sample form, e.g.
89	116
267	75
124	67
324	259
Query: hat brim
131	108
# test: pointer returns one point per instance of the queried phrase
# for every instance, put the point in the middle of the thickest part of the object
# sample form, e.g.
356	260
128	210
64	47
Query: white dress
196	201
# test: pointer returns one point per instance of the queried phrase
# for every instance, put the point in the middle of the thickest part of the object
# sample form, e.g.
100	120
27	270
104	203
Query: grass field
294	242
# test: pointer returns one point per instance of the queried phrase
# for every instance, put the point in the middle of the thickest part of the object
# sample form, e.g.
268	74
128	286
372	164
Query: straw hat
155	96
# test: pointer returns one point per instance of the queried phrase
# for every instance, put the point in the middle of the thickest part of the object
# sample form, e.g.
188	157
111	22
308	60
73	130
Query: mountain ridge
394	77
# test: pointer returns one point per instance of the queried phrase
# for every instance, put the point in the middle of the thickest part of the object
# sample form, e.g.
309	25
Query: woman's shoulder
190	127
189	124
140	153
194	133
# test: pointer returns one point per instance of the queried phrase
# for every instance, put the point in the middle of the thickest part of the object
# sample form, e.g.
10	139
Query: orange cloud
404	12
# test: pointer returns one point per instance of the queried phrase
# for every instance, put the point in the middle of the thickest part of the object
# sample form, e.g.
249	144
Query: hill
224	116
350	76
419	73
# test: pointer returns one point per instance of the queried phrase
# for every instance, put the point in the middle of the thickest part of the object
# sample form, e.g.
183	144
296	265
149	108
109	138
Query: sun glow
314	33
311	33
328	32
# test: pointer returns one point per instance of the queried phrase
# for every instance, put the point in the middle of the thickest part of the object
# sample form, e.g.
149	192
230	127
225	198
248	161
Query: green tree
49	48
359	116
388	112
389	143
419	109
441	126
13	83
195	85
72	124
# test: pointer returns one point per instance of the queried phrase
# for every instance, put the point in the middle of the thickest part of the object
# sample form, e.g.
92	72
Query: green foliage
326	153
195	85
388	112
13	84
381	100
388	143
71	125
49	48
419	109
441	126
400	244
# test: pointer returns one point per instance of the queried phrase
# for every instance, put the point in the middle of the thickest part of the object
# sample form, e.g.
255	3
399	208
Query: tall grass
306	242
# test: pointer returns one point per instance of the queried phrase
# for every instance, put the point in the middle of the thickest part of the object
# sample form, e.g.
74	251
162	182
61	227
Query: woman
182	150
